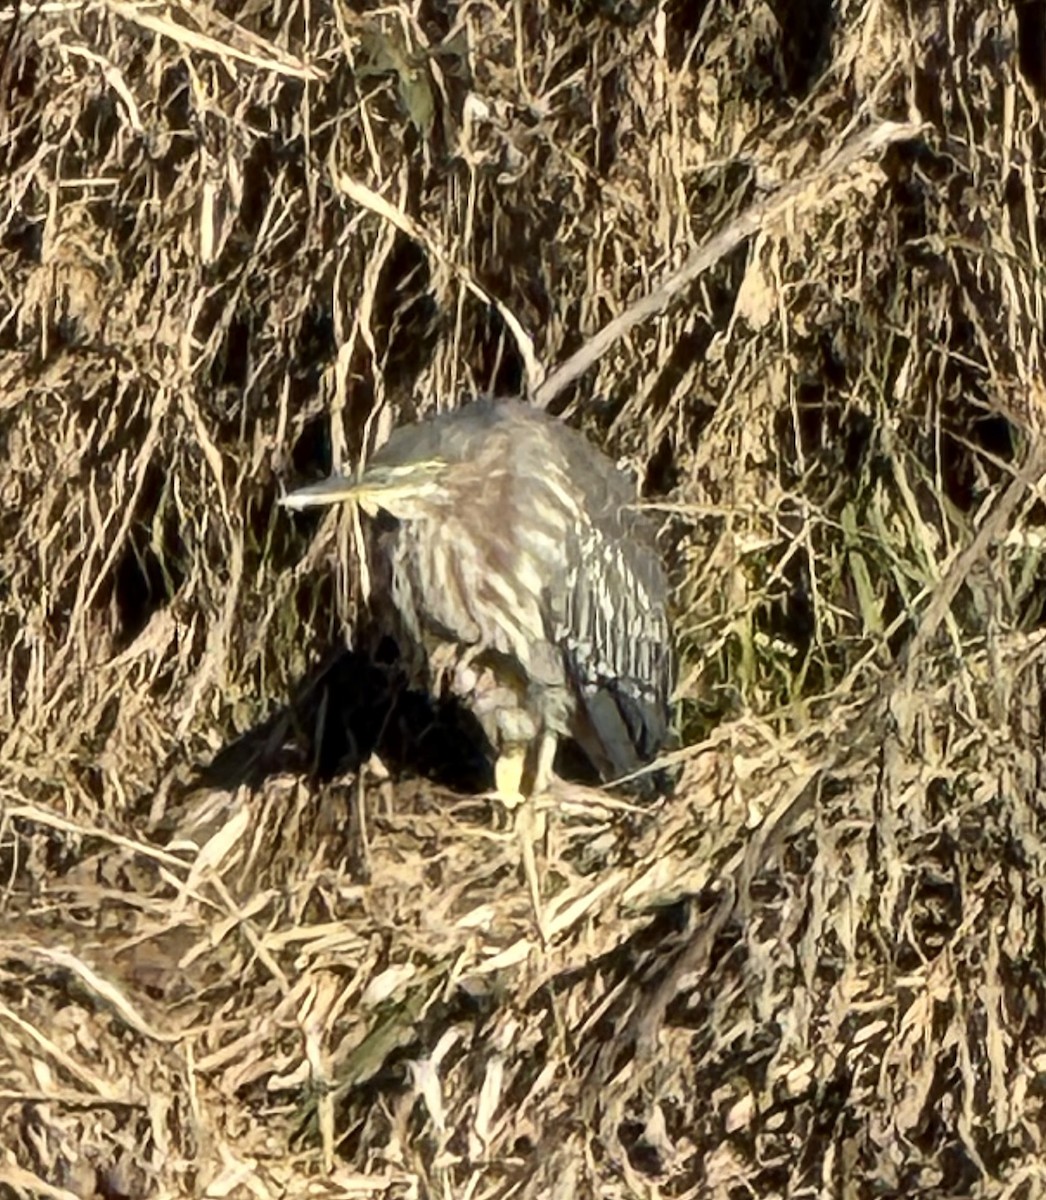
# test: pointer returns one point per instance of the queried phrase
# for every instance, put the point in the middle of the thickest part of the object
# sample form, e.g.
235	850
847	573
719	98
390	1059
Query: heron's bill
333	490
401	490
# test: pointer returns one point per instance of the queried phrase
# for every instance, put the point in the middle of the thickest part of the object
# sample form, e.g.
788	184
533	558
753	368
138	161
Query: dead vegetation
262	935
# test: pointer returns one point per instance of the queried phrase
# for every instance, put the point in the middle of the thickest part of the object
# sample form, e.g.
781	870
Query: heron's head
421	468
408	490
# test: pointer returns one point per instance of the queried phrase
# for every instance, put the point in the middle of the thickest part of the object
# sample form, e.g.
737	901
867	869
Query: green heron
522	576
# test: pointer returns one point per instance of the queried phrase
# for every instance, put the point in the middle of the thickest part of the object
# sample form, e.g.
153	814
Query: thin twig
761	214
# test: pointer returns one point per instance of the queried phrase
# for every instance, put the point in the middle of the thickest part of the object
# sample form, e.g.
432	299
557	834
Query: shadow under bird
519	572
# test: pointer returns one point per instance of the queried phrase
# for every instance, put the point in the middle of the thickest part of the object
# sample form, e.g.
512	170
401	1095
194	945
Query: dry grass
243	955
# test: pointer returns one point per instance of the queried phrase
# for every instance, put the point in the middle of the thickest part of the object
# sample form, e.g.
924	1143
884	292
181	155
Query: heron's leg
508	775
543	759
531	819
